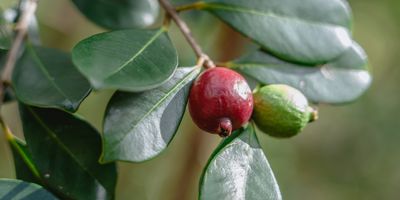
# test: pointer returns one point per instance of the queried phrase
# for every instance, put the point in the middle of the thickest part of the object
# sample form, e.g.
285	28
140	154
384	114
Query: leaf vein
61	144
148	43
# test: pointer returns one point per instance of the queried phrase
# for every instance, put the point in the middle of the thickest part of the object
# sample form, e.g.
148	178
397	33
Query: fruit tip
225	127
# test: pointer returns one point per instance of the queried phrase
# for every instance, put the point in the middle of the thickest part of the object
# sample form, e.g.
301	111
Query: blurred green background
351	152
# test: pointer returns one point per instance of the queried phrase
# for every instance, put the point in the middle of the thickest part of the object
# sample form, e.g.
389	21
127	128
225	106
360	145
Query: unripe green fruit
281	111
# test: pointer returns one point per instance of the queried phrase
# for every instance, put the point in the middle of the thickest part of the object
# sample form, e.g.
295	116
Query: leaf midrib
267	14
185	78
61	144
148	43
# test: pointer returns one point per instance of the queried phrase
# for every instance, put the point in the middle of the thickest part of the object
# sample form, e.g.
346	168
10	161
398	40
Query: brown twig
21	28
207	62
21	31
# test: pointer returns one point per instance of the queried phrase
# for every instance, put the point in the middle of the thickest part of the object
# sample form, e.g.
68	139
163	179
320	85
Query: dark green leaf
120	14
25	169
46	77
129	60
16	189
5	32
3	57
306	31
65	150
339	81
238	169
139	126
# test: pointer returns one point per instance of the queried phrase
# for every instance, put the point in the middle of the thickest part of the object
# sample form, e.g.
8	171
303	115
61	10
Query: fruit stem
207	62
225	127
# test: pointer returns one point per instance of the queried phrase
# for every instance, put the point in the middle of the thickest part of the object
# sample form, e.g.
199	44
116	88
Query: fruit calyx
313	114
225	127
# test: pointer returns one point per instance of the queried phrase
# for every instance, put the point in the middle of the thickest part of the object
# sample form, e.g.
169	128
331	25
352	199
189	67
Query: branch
201	56
22	28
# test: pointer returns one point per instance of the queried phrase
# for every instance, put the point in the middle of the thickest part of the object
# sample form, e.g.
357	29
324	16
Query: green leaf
120	14
46	77
16	189
25	169
129	60
238	169
306	31
5	32
65	150
139	126
339	81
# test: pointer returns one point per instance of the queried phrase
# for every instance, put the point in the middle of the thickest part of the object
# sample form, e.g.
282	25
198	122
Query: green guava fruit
281	111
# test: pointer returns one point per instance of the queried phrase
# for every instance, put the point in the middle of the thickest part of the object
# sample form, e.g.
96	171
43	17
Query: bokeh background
351	152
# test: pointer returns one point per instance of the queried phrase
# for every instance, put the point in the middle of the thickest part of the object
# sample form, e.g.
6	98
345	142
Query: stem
193	6
207	62
5	77
22	28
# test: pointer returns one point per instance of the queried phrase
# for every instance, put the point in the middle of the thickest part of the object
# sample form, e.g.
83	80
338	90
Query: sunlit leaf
139	126
306	31
340	81
239	170
129	60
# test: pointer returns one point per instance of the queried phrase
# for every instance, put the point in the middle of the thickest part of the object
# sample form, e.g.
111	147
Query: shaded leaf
5	32
139	126
65	150
120	14
129	60
25	169
307	31
340	81
16	189
238	169
46	77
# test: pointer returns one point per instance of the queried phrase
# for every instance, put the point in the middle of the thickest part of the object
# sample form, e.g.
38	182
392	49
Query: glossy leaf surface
307	31
139	126
339	81
46	77
129	60
120	14
239	170
16	189
65	150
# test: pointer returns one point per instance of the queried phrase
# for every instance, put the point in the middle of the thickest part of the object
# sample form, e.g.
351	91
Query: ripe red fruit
220	101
